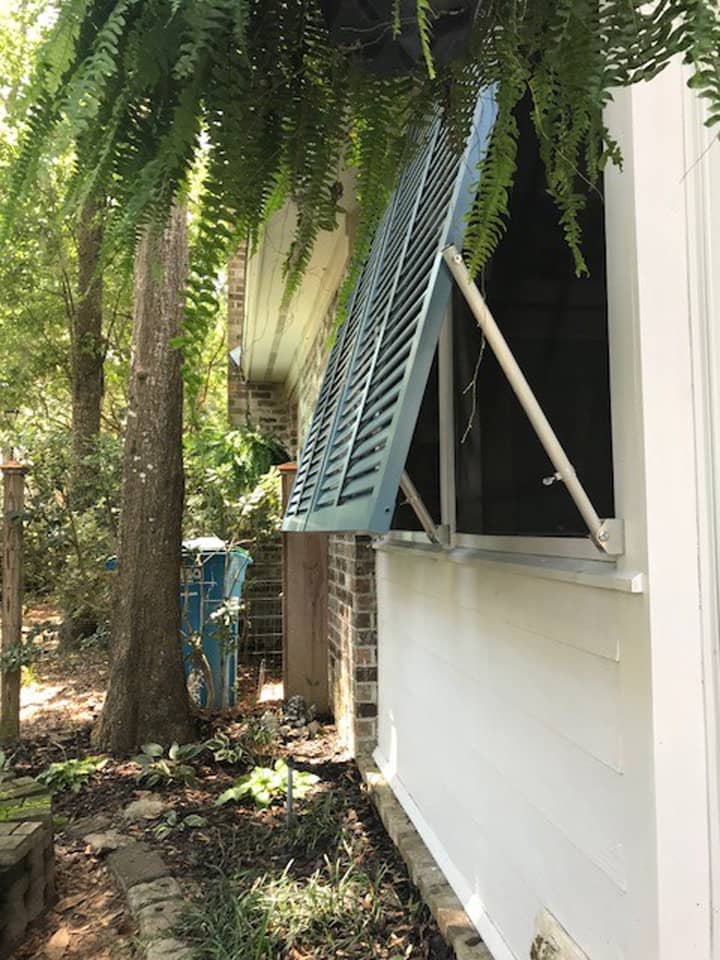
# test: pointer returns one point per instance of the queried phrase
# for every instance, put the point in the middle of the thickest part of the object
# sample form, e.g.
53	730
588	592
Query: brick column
352	640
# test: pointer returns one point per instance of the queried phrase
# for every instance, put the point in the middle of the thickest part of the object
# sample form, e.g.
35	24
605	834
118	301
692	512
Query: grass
331	894
338	910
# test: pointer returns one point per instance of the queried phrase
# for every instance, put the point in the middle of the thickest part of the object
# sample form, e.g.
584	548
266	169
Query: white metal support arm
607	535
418	505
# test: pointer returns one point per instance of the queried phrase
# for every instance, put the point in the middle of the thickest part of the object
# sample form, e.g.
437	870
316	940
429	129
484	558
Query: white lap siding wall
549	738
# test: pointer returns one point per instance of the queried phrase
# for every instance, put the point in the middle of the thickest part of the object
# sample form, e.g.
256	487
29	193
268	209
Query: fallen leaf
57	944
67	903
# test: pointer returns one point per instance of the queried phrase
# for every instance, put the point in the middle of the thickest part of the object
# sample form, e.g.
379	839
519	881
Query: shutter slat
357	443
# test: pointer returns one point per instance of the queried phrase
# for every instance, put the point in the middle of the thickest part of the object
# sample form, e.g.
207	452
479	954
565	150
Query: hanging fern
141	91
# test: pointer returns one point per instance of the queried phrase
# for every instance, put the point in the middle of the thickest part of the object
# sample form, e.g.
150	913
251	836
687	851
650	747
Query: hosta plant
173	823
71	774
157	766
266	784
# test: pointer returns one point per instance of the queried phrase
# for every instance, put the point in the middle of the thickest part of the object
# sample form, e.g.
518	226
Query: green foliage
338	910
71	774
172	823
265	784
4	762
250	98
225	750
260	511
66	546
222	466
19	655
156	767
258	740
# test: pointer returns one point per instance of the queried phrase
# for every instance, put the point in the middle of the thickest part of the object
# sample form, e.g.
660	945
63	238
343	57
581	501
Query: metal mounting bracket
421	511
607	535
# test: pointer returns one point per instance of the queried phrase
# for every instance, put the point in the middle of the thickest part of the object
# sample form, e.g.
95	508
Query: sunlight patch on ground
54	702
271	691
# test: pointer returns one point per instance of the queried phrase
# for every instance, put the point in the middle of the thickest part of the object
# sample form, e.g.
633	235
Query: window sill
588	573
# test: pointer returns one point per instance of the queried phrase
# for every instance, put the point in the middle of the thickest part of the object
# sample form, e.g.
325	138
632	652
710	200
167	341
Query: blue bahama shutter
360	433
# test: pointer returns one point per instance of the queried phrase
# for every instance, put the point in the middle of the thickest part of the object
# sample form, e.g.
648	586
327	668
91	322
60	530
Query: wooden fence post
12	594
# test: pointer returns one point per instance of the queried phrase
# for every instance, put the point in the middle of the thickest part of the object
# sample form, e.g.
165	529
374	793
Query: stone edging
154	898
455	925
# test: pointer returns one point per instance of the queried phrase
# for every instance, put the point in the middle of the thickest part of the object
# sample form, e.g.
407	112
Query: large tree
147	699
260	96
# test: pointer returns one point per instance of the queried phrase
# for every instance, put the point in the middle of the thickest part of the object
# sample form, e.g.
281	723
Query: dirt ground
60	702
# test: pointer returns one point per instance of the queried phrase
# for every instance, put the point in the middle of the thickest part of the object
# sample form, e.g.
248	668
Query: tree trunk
87	356
147	697
87	352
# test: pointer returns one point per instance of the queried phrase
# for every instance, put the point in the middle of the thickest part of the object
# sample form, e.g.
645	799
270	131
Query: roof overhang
277	337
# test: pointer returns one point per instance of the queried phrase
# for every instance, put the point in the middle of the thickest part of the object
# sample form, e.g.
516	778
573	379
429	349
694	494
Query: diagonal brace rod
599	529
418	505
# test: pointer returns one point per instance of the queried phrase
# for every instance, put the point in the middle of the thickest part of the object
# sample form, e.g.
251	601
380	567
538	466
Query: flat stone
83	826
143	894
471	949
22	787
30	805
136	863
158	918
14	847
168	949
147	808
107	842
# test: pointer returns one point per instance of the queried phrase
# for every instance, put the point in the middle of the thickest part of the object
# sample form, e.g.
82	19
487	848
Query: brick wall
352	640
262	406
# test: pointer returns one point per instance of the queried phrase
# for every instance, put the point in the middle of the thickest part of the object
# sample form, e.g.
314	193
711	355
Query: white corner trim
493	939
588	573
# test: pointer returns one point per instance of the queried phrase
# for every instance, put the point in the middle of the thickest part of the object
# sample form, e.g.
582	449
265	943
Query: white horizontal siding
508	739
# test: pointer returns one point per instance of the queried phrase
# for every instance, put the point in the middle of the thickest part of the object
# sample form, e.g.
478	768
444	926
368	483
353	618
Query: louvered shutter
360	433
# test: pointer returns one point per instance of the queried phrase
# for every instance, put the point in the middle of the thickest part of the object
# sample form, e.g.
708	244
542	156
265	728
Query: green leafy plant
258	740
66	546
71	774
265	784
225	750
222	467
260	511
4	762
17	656
174	767
172	823
258	97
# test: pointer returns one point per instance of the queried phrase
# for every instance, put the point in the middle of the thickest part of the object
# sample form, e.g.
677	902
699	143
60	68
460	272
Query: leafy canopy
253	93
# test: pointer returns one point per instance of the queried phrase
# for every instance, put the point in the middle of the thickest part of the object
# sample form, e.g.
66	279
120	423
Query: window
556	326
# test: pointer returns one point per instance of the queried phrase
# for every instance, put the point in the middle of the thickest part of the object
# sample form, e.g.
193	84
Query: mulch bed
337	821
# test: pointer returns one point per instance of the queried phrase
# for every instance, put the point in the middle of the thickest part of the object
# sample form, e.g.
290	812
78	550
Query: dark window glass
556	325
423	461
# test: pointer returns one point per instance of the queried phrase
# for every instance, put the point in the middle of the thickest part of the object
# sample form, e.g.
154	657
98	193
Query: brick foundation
352	641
